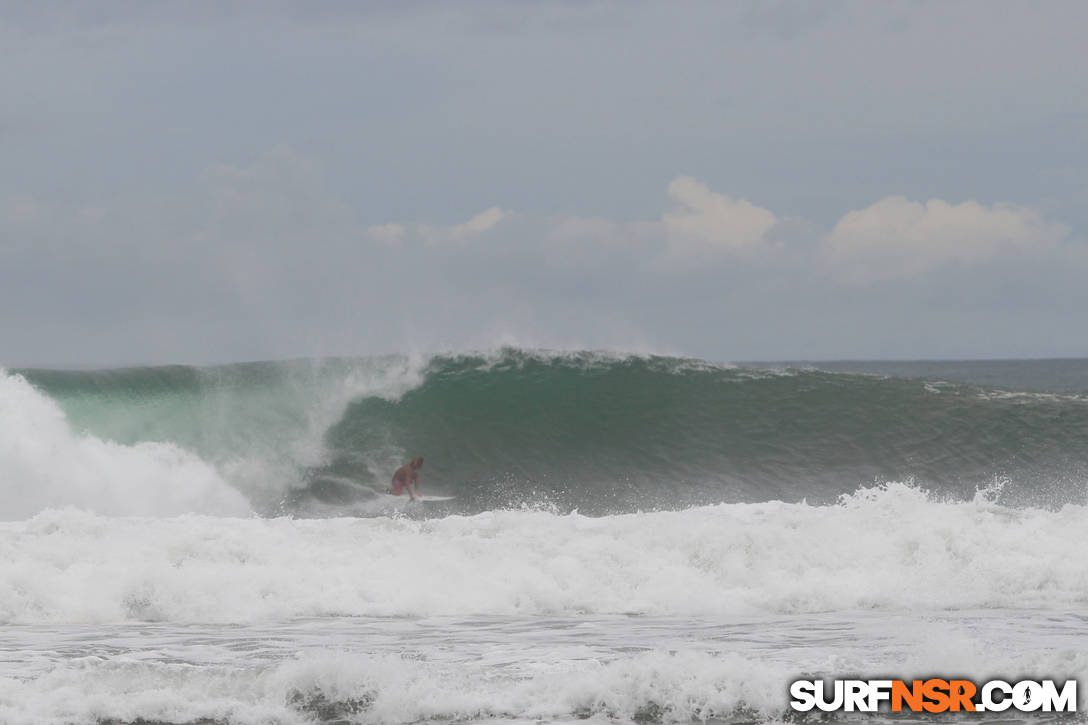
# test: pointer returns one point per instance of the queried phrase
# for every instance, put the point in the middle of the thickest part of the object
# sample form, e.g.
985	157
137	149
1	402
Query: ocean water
632	538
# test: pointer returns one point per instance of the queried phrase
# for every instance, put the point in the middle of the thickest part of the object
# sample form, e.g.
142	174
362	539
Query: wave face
598	433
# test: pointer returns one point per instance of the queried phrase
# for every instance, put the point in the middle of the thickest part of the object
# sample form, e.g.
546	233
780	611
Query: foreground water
530	615
632	539
523	669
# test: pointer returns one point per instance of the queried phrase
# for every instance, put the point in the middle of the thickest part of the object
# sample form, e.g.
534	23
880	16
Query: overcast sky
200	182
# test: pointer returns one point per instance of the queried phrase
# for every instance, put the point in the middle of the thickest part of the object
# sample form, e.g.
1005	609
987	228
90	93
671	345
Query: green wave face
601	434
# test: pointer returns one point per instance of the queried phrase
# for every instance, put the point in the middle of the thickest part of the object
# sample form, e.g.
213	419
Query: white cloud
394	233
701	218
699	225
897	237
485	221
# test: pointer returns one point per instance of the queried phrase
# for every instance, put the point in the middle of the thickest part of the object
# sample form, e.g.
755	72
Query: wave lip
222	440
891	548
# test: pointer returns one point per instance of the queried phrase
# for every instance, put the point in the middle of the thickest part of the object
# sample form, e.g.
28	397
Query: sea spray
44	463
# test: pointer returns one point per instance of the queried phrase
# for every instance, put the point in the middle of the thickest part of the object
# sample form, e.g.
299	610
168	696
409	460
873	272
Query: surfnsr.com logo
933	695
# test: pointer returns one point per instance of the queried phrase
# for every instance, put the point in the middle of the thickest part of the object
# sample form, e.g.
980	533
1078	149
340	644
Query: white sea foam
392	689
44	463
887	548
351	682
1027	397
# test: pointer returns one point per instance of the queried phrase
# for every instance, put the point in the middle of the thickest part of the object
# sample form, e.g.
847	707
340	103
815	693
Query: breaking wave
601	434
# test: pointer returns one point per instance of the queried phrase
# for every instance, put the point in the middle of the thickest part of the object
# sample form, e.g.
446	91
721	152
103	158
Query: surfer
407	476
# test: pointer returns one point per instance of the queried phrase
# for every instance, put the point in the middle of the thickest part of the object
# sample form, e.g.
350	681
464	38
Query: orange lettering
961	692
936	691
911	695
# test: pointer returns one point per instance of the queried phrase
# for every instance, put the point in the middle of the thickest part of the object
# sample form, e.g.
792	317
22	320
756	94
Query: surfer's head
417	462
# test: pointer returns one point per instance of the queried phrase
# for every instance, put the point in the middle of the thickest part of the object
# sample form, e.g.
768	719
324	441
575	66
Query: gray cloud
263	260
69	14
471	172
785	19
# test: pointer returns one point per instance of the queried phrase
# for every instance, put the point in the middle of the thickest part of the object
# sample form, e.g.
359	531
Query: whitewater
632	538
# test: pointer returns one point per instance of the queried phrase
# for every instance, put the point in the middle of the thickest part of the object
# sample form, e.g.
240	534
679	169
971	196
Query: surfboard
424	499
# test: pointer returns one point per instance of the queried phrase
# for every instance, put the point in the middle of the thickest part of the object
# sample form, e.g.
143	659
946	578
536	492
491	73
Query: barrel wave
598	433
